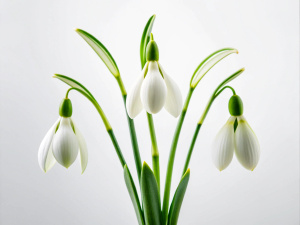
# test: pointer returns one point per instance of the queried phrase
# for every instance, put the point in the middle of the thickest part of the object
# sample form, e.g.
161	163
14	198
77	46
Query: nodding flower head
237	137
154	89
63	142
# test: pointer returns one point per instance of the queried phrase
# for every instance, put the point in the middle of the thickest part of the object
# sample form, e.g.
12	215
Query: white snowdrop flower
247	147
154	89
236	136
223	145
63	142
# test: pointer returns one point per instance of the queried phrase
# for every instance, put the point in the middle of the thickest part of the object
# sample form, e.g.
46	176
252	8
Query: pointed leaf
227	80
150	195
73	83
178	198
145	39
101	51
208	63
133	195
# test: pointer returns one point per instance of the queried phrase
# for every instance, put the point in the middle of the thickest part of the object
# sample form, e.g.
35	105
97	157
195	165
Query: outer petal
173	102
153	90
247	148
223	146
65	144
45	156
82	148
133	102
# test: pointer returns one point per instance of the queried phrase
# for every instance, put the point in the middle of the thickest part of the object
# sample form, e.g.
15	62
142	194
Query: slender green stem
117	147
231	88
134	143
168	182
106	123
121	85
155	152
135	146
188	158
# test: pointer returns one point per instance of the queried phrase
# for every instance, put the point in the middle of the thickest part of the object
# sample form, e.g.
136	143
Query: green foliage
150	196
178	198
145	39
101	51
133	195
209	63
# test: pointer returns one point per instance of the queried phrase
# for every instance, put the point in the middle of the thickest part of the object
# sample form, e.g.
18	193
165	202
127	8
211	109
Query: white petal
223	146
65	144
173	102
153	90
247	148
133	102
45	156
82	148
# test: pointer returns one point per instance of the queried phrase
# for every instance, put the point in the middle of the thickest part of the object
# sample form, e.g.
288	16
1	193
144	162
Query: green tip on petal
65	108
235	106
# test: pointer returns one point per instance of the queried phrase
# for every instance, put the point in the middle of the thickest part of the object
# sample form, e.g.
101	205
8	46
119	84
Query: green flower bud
152	53
235	106
65	108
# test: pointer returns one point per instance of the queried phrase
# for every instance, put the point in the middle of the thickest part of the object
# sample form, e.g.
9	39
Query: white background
38	40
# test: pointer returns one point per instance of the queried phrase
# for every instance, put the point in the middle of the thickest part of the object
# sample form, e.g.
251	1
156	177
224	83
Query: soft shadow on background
38	40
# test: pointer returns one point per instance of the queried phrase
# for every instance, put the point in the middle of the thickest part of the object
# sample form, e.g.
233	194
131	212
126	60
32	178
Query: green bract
235	106
145	39
101	51
208	63
65	108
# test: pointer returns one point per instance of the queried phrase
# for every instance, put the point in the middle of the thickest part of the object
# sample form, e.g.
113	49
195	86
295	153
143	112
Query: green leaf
133	195
150	195
228	79
145	39
178	198
101	51
208	63
73	83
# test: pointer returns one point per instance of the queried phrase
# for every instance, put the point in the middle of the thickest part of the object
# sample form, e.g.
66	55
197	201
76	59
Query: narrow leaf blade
101	51
230	78
178	199
73	83
150	195
133	195
208	63
145	39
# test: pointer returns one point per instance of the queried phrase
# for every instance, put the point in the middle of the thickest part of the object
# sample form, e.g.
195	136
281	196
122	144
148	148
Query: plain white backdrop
38	39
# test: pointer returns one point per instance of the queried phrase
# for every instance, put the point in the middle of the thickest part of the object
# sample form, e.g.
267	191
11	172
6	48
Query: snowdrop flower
236	136
63	142
154	89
